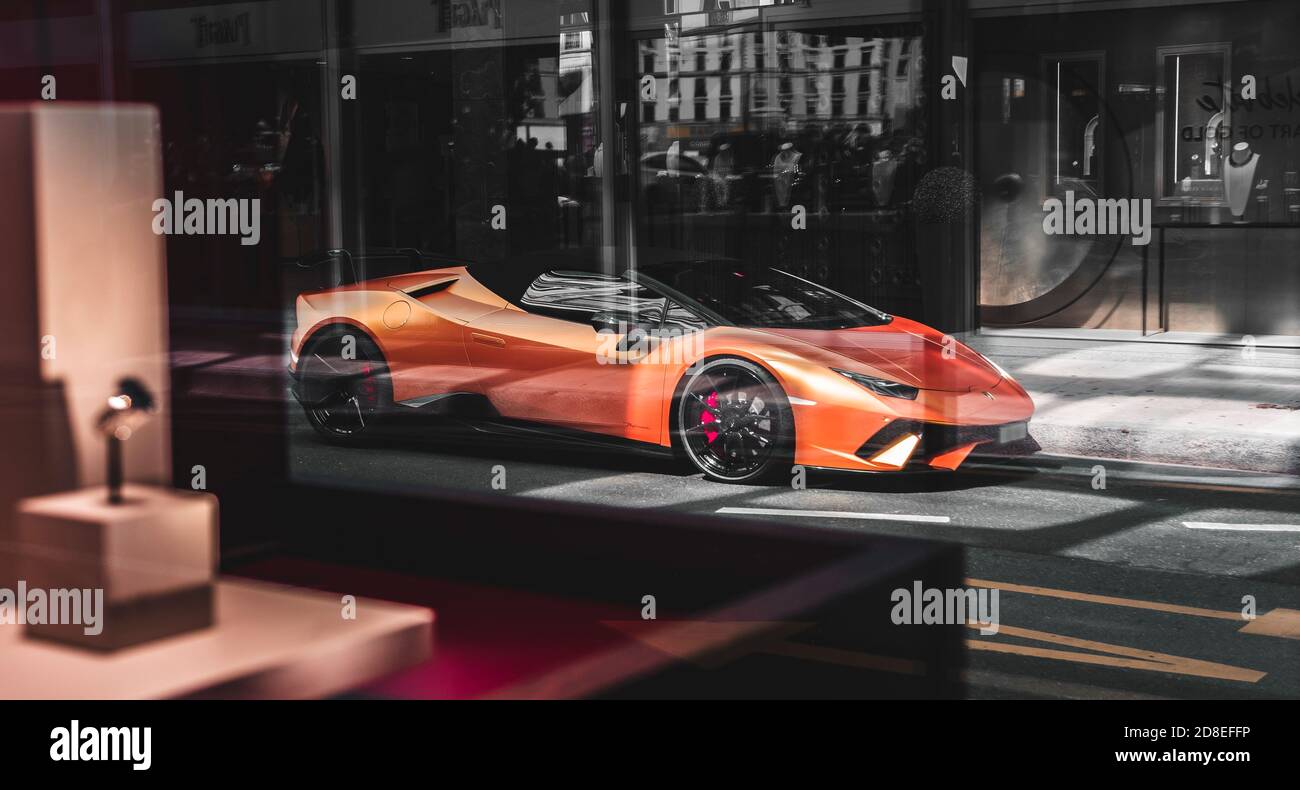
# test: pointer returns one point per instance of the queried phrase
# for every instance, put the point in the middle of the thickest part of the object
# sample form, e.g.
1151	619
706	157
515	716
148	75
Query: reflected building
776	82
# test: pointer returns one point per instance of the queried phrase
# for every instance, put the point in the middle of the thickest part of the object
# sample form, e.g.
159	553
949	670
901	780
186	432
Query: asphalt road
1128	590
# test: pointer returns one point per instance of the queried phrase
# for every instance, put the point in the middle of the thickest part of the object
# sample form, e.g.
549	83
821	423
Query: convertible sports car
743	369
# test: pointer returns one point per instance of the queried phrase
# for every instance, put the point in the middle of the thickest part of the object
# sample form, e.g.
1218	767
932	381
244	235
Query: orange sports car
744	369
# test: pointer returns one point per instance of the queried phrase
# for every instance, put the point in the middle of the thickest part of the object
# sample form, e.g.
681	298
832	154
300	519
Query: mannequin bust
1239	176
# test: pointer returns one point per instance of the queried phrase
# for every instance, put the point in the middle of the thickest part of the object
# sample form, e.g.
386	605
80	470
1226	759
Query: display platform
269	641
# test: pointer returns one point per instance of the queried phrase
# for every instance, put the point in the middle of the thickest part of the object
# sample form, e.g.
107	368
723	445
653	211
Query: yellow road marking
1120	656
1282	623
686	639
1106	599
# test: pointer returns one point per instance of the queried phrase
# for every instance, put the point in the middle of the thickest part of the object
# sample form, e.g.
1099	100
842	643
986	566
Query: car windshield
759	297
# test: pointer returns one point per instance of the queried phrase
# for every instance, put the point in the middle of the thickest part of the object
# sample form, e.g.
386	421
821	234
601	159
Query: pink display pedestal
266	641
143	568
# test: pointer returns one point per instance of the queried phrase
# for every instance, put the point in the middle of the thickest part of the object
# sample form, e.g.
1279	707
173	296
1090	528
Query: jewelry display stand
153	555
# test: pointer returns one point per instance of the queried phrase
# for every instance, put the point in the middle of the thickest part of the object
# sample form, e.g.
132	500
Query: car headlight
890	389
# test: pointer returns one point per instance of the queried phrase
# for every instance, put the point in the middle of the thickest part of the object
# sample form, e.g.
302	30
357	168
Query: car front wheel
734	422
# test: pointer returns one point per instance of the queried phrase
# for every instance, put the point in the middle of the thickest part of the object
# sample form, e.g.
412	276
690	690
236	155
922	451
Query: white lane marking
1242	527
770	511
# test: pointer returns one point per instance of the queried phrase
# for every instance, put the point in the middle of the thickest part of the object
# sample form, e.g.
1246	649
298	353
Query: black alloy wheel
734	422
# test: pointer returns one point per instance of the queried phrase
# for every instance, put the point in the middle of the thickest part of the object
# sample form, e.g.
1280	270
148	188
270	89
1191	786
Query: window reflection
824	121
450	130
1194	122
844	103
1076	116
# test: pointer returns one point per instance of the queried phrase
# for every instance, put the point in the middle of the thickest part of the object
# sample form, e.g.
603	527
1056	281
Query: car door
545	361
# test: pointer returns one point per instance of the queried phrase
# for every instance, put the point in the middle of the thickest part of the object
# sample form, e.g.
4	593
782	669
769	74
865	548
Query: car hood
904	351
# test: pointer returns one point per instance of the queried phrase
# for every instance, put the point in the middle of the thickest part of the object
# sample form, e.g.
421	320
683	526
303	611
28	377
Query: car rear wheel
734	422
344	386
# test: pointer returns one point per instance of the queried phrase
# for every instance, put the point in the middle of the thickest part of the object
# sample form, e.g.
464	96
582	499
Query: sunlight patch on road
1241	527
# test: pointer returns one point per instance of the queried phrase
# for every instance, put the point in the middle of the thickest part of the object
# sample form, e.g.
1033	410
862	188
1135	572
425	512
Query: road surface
1129	586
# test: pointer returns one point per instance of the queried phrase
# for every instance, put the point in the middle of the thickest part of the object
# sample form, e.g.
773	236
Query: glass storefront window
1195	121
1075	156
1192	127
712	258
256	135
825	123
480	143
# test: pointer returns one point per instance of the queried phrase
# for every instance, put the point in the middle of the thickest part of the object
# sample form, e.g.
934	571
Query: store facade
1189	108
905	152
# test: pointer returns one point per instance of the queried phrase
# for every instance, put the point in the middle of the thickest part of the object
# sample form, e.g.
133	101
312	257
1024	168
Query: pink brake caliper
368	388
707	416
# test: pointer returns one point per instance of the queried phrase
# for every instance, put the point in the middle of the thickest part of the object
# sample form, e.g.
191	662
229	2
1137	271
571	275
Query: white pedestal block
153	556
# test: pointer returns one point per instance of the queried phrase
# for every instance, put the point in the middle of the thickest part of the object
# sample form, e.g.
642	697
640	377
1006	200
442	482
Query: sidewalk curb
1157	472
1210	450
1193	405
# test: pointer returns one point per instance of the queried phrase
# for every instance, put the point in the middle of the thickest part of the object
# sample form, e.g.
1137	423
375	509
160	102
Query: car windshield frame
712	316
